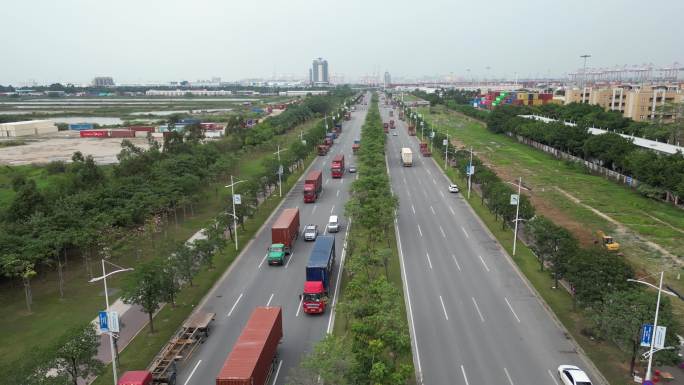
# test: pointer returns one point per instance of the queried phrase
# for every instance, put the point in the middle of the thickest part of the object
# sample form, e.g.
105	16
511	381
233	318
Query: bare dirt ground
62	145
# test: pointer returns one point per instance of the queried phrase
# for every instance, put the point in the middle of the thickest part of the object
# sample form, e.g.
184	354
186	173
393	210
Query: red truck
401	115
424	150
136	377
347	116
313	184
255	354
337	166
412	130
284	232
356	146
392	123
323	149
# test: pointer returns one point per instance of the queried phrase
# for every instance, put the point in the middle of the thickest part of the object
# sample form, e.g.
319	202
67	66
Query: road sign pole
649	375
517	212
111	337
232	196
470	171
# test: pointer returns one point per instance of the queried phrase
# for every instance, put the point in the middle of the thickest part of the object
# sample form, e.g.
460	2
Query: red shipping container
121	134
255	350
141	128
94	134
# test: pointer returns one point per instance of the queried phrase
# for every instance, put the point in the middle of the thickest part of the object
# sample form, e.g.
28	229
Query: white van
333	224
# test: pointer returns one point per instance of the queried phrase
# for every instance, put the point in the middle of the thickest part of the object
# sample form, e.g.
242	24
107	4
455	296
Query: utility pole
280	171
446	151
517	212
584	74
232	196
470	171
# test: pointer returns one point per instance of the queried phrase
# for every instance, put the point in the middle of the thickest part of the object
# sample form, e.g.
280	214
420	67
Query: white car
333	224
453	188
310	232
394	134
572	375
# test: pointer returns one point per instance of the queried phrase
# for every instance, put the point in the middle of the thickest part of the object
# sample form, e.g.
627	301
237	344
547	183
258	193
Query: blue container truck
318	274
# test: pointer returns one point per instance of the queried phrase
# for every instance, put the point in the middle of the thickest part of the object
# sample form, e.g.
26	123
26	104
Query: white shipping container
157	134
141	134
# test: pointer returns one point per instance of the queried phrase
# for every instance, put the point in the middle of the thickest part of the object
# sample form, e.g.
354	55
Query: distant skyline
73	41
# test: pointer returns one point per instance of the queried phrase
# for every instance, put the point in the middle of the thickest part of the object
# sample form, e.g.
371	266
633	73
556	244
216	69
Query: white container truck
406	157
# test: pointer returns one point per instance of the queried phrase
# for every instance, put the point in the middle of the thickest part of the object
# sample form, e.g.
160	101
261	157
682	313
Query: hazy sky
163	40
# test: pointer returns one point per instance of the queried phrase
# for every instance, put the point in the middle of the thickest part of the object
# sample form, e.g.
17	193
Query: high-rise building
318	75
103	81
388	79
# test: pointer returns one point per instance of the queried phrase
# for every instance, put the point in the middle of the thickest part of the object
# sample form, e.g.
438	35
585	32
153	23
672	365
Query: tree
622	315
551	242
170	285
76	356
144	288
331	359
595	272
15	267
27	200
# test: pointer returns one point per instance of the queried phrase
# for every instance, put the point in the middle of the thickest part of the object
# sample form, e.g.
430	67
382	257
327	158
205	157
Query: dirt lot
62	145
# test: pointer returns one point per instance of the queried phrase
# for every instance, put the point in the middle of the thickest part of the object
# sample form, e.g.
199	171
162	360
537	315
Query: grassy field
612	363
82	299
639	220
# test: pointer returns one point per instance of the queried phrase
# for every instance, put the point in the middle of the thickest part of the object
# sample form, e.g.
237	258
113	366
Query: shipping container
136	377
94	133
121	134
254	355
141	128
142	134
81	126
284	232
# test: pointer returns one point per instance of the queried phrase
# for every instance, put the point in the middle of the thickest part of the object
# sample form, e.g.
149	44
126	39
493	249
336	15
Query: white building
27	128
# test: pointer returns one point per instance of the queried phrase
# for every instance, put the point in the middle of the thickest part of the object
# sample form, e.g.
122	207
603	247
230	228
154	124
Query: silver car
310	232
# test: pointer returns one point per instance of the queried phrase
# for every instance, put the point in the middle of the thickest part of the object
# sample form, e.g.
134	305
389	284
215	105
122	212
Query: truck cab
314	298
276	254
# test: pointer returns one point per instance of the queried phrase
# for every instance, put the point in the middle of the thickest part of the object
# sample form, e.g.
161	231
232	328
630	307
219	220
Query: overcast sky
165	40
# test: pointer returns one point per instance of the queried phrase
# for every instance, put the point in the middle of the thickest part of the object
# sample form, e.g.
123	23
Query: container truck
337	166
318	275
313	185
391	113
323	149
392	124
338	128
412	130
424	149
356	146
406	157
255	353
347	116
284	232
401	115
385	126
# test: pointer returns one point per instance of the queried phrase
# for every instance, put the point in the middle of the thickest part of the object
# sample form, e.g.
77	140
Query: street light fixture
649	374
280	173
111	334
232	196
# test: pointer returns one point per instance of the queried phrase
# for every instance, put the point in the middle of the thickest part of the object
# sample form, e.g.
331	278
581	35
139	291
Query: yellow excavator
607	241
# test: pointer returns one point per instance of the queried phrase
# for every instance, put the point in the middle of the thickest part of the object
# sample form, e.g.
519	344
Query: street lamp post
649	375
280	174
470	171
517	212
232	197
111	334
446	151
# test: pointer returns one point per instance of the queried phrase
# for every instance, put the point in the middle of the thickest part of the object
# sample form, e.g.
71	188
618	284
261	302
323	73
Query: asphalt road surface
473	319
251	282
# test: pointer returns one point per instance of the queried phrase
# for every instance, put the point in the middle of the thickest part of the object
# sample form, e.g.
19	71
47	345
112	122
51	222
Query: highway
251	282
473	319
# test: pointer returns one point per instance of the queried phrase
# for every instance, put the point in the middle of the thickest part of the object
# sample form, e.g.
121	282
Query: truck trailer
313	185
323	149
337	166
406	157
356	146
255	354
424	150
318	274
284	232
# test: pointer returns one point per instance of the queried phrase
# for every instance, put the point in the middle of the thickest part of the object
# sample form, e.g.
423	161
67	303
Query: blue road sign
104	321
646	335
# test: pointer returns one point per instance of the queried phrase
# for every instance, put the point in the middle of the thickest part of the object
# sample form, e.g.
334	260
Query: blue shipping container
81	126
321	260
189	121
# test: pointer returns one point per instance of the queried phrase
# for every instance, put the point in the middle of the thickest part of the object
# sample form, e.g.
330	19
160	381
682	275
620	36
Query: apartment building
640	103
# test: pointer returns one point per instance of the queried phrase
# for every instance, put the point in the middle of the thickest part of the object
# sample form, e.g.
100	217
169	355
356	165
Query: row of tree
616	308
376	348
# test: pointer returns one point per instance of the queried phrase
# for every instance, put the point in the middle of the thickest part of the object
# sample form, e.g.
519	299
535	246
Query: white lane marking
332	209
404	180
341	180
234	305
269	300
338	193
483	263
433	210
331	320
478	309
408	193
441	193
301	299
327	180
420	231
263	260
442	230
511	307
407	295
289	259
552	377
443	308
509	376
464	375
414	210
428	170
452	211
434	181
465	232
456	262
193	372
313	210
429	261
275	378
